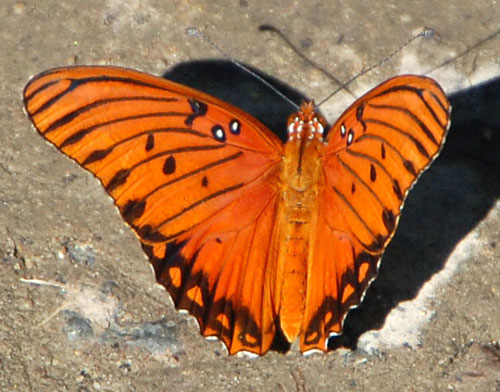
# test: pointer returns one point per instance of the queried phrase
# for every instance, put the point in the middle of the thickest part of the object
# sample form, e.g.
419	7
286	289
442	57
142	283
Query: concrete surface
79	307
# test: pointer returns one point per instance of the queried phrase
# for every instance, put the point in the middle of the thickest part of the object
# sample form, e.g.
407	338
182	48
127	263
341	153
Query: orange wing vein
376	151
193	176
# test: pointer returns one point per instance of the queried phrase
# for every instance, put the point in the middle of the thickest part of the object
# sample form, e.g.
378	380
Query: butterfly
257	239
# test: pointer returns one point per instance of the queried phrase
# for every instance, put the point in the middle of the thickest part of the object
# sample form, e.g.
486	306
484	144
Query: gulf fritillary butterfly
257	239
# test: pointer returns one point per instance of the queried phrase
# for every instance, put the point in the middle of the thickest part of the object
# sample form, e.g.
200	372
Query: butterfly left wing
376	151
193	176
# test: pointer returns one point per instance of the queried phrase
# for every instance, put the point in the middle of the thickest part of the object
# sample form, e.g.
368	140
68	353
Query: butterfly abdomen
294	252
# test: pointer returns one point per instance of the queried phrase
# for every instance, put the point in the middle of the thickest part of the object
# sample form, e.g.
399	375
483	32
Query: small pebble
19	8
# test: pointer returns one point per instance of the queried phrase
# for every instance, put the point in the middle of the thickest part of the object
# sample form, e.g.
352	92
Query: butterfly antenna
195	32
280	34
466	51
426	33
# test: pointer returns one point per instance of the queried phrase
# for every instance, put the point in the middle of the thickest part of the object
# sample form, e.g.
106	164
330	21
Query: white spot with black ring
350	137
219	133
235	127
342	130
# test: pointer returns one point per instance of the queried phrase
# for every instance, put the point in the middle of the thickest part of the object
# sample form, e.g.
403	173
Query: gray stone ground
96	320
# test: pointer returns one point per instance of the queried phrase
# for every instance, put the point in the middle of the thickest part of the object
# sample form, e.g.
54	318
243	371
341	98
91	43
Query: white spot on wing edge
247	354
312	352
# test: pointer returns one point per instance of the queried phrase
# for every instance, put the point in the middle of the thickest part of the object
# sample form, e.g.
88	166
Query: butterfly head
306	123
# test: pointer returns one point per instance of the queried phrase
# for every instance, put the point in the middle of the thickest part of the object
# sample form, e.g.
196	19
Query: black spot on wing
389	220
150	143
377	245
119	179
397	190
170	165
97	155
147	233
359	112
410	167
359	115
373	173
133	210
198	108
75	138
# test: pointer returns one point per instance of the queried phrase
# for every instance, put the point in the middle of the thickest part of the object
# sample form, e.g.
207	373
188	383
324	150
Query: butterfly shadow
449	200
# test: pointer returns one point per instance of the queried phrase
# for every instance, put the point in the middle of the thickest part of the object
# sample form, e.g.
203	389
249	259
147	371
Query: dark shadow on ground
450	199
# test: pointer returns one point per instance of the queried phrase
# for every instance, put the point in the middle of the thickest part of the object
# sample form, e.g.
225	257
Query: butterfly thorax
299	184
302	150
306	123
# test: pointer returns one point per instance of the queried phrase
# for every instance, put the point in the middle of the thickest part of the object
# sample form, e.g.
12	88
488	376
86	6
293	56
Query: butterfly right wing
376	151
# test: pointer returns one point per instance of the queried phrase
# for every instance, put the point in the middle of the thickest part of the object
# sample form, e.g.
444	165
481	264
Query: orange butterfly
256	239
